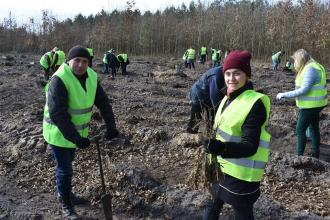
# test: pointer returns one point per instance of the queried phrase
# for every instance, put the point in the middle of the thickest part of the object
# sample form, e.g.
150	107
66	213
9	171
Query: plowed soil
154	169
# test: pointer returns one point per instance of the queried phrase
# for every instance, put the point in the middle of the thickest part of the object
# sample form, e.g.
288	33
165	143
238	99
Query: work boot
78	200
316	155
68	208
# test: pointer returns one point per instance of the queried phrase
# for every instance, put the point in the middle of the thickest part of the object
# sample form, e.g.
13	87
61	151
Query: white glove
280	96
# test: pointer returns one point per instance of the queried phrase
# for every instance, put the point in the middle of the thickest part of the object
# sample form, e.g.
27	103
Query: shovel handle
96	138
100	164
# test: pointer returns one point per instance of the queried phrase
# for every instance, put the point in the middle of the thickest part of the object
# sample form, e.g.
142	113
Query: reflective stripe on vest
80	103
78	127
230	138
228	124
248	163
317	95
80	111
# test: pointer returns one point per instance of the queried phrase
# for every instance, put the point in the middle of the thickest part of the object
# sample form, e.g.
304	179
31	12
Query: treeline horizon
257	26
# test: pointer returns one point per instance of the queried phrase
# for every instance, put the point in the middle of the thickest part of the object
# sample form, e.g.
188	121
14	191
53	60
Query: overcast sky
22	10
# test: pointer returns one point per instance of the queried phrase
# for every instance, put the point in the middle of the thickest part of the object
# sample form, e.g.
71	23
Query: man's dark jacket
57	101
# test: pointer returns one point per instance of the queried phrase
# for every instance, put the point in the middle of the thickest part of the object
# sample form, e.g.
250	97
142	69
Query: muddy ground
154	168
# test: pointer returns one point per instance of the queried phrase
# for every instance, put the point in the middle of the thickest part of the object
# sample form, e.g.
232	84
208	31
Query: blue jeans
64	158
275	64
216	63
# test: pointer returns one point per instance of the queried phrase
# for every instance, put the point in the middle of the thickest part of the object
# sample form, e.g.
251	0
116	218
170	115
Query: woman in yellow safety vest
241	141
311	97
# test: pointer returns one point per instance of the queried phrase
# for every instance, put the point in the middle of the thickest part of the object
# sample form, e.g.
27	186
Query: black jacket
57	101
112	60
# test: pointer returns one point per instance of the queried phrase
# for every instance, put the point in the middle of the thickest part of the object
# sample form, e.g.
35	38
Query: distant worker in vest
71	94
205	97
91	54
276	59
46	61
289	67
241	141
124	61
110	61
185	58
59	59
311	98
215	57
203	54
191	58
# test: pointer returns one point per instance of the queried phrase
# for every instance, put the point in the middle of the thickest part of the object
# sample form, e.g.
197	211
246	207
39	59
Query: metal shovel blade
107	206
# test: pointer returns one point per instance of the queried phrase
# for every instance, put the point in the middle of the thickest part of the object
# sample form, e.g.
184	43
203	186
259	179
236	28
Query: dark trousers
123	68
46	73
185	63
105	68
113	71
203	58
64	158
191	63
308	118
214	208
196	114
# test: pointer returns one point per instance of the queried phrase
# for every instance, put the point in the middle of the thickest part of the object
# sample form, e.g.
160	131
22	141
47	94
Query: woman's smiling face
235	79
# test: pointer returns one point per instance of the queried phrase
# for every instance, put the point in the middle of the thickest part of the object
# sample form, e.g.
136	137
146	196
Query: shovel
105	198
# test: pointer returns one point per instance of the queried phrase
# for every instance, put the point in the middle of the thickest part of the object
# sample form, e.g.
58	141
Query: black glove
112	133
214	146
83	143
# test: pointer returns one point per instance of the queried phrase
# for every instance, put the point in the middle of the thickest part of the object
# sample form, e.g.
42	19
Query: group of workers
238	114
189	56
276	60
53	59
110	60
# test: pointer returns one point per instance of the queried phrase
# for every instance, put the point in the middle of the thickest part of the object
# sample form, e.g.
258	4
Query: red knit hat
238	59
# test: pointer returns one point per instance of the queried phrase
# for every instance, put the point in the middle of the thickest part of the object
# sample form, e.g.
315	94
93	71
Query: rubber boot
68	208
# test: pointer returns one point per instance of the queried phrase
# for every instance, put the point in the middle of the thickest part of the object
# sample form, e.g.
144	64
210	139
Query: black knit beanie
78	51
